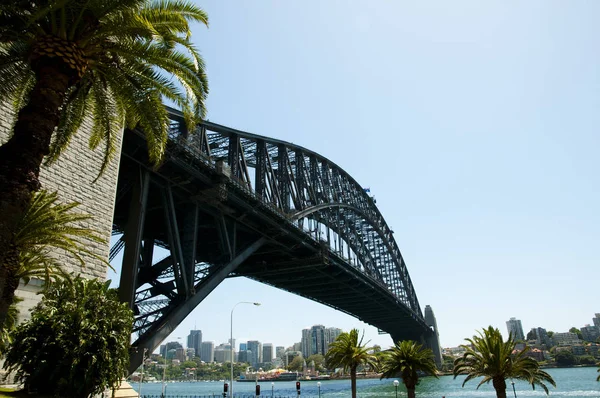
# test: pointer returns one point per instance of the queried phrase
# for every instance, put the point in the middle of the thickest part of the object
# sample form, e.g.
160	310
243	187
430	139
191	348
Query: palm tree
348	352
408	358
47	225
487	355
598	378
111	62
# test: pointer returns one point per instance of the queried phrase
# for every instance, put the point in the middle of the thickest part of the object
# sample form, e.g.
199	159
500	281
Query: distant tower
434	341
515	328
267	353
207	351
194	340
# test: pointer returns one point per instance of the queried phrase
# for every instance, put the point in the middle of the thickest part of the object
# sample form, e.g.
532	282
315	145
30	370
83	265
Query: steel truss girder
176	314
295	179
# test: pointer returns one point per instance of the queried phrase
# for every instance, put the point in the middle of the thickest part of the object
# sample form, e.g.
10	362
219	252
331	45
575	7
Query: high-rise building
434	340
316	340
163	350
190	354
317	335
590	333
207	351
223	353
256	357
267	353
330	335
596	320
540	336
194	340
515	328
243	356
279	351
180	354
243	346
306	343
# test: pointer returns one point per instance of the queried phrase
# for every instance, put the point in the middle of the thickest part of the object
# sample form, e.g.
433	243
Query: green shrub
76	343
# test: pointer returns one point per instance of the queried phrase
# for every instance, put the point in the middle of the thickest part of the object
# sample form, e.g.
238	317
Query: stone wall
73	177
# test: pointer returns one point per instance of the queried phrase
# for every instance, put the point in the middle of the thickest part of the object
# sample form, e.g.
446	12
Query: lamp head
318	384
396	382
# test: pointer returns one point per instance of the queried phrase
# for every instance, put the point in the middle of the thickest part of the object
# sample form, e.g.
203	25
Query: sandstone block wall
72	176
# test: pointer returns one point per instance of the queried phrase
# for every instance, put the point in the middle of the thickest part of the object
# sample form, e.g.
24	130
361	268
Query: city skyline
473	125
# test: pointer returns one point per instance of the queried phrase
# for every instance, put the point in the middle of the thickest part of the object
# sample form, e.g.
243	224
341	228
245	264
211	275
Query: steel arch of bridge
297	198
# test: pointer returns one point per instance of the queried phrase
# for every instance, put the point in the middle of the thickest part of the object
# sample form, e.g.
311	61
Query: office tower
243	346
243	356
163	350
279	351
330	335
267	353
317	335
515	328
180	354
190	354
194	340
256	357
434	340
306	345
207	351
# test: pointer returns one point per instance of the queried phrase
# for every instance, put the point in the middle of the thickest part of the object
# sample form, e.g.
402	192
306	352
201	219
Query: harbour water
571	382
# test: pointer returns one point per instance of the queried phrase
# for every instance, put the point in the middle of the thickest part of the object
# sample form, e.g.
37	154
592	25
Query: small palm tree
408	358
487	355
348	352
111	62
46	225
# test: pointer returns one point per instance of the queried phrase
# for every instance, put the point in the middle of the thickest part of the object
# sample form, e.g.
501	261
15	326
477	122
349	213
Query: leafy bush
76	343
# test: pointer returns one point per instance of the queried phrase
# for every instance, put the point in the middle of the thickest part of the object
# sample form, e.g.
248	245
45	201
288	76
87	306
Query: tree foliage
348	352
110	62
122	58
565	358
490	357
296	364
407	359
45	226
319	361
76	343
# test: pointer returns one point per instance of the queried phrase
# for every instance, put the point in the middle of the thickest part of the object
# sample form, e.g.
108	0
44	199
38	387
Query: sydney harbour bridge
229	203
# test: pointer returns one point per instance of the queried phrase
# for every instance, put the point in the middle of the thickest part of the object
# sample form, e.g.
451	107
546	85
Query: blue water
572	382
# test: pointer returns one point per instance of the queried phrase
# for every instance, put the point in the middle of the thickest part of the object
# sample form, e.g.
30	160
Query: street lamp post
396	382
231	342
272	389
319	387
514	391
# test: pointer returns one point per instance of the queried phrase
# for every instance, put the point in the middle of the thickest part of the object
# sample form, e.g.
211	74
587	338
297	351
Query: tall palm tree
487	355
109	61
348	352
408	358
47	225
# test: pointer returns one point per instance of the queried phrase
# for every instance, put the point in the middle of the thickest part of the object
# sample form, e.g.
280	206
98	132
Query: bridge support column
433	339
151	339
133	238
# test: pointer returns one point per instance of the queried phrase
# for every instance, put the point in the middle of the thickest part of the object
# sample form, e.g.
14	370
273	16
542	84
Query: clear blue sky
474	123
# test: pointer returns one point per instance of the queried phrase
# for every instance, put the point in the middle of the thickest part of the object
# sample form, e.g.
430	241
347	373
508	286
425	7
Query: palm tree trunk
353	380
411	392
500	387
20	160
